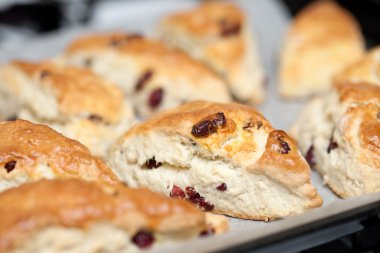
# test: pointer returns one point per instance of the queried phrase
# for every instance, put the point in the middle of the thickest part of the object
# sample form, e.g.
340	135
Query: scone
76	216
153	76
73	101
225	158
366	69
339	133
321	41
219	35
29	152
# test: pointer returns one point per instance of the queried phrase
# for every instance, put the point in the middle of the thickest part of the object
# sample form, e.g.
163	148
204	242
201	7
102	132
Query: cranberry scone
366	69
339	134
29	152
77	216
219	35
321	41
73	101
152	75
225	158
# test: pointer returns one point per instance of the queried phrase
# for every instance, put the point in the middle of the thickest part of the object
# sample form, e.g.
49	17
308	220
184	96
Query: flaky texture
340	134
219	35
321	41
152	75
78	216
29	152
245	169
73	101
366	69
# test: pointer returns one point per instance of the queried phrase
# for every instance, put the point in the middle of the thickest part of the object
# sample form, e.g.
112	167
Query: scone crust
77	90
75	203
31	145
316	47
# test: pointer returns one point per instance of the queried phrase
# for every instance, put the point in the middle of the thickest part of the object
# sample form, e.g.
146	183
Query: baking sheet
269	19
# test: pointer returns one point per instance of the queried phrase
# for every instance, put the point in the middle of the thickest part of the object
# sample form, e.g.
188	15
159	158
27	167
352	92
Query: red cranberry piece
152	163
95	118
143	239
259	124
209	125
207	232
44	73
284	146
310	156
155	97
9	166
229	28
177	193
196	198
144	78
222	187
332	145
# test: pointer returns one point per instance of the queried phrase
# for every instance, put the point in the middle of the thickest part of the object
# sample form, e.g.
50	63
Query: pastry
153	76
321	41
77	216
225	158
219	35
29	152
339	134
73	101
366	69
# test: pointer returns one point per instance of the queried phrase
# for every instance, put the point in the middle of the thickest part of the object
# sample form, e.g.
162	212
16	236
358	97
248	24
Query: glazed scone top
27	146
360	123
247	139
77	90
209	19
74	203
149	53
310	25
366	69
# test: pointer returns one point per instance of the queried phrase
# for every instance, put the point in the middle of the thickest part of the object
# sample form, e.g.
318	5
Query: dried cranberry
222	187
144	78
143	239
332	145
259	124
229	28
284	146
207	232
196	198
248	125
310	156
209	125
152	163
9	166
95	118
155	97
177	193
87	62
44	73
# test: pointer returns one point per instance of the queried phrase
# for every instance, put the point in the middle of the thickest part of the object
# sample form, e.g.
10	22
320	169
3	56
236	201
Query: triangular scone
366	69
73	101
321	41
30	152
339	134
152	75
226	158
76	216
219	35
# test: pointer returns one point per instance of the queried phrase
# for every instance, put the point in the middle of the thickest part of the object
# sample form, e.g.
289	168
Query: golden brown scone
73	101
366	69
339	134
321	41
219	35
152	75
226	158
77	216
29	152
